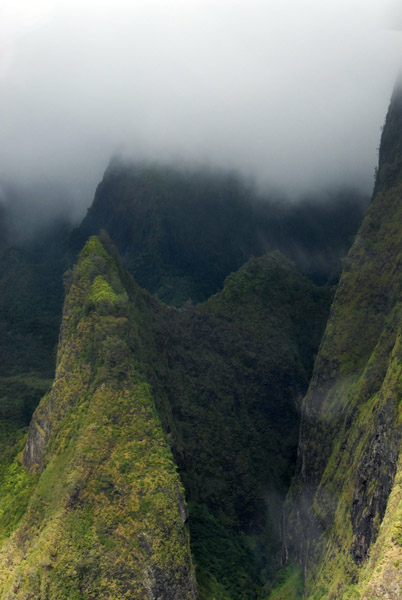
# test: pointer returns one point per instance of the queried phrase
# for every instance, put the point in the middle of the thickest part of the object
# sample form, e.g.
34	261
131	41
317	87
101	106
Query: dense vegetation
344	509
95	506
180	233
237	367
226	378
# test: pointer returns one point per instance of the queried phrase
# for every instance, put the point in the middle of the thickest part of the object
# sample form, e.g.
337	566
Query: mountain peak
105	511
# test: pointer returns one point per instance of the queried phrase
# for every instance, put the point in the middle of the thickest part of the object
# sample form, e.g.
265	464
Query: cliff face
351	428
102	512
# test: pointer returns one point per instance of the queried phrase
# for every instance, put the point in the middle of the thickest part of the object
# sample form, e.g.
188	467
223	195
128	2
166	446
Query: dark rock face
350	431
160	585
39	433
376	474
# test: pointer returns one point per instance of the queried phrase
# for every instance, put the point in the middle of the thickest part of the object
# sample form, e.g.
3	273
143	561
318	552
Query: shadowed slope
228	391
351	428
181	233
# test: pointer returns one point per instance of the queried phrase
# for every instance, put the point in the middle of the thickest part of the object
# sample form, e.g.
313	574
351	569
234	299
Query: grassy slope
351	428
99	514
226	378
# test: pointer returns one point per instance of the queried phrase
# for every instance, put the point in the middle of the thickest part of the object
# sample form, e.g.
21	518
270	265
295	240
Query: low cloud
290	93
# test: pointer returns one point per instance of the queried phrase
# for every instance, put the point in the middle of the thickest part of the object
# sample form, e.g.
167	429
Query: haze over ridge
292	94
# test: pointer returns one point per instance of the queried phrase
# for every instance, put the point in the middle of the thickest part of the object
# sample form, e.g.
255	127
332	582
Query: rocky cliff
343	506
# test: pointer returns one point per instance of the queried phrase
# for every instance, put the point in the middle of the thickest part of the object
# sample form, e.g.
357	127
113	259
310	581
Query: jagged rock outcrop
351	428
375	477
102	512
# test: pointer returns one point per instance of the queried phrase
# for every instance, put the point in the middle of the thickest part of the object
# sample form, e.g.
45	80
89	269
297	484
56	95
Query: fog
291	93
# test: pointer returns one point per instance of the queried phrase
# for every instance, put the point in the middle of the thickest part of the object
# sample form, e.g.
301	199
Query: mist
292	95
31	209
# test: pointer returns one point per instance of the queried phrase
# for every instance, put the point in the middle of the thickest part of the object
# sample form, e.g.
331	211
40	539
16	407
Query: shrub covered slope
181	232
91	503
96	509
226	378
344	509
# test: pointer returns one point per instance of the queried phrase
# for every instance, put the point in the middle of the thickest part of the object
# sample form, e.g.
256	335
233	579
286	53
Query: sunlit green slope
93	507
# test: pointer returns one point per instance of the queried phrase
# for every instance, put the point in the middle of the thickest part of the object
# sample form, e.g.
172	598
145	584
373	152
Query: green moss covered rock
343	509
104	507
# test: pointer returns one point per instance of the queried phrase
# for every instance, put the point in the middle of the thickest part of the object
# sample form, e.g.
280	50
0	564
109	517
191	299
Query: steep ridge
235	370
102	512
96	508
346	494
181	232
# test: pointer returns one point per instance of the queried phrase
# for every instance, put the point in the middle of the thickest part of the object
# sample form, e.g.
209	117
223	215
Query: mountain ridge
188	362
181	232
106	514
351	429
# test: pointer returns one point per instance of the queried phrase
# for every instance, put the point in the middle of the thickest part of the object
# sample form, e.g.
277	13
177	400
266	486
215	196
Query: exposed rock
376	474
351	432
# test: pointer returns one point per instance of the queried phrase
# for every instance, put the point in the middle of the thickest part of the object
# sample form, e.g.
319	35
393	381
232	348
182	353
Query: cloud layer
292	93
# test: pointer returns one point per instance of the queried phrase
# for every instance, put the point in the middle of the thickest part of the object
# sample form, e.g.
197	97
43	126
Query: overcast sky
293	92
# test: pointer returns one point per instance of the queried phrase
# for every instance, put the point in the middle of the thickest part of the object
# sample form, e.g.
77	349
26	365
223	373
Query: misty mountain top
180	232
29	212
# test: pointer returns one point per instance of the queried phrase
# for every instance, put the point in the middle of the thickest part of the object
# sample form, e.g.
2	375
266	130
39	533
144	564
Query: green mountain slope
97	508
226	378
344	513
181	233
91	504
236	368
